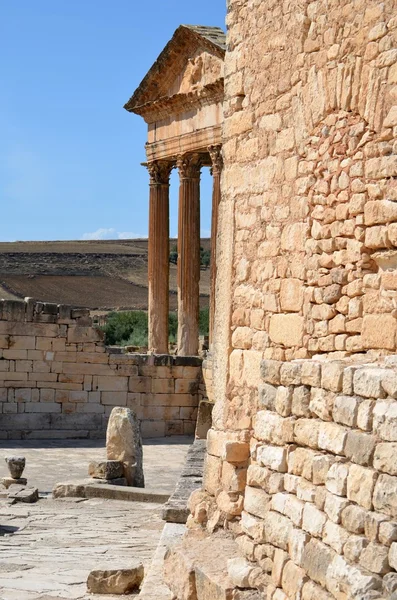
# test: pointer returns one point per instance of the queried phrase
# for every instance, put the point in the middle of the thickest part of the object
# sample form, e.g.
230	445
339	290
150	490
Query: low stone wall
59	380
312	488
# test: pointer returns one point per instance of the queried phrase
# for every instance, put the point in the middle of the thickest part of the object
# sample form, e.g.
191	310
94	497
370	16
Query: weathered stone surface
107	469
7	481
16	465
124	444
115	581
360	485
23	494
385	495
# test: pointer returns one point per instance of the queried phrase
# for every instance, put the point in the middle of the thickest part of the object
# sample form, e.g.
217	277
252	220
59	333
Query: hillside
102	275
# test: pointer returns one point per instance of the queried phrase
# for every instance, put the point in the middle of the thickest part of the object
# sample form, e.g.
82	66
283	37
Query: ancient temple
181	100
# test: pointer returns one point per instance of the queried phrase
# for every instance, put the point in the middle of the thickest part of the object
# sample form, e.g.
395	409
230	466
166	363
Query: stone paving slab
56	543
50	461
47	549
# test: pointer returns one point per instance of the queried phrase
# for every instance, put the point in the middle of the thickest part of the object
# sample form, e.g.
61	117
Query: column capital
216	158
189	166
159	171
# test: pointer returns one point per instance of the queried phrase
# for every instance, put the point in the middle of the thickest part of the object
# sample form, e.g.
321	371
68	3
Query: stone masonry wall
59	380
308	214
312	493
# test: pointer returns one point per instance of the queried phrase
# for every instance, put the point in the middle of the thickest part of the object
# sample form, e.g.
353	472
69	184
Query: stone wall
59	380
300	465
315	484
307	244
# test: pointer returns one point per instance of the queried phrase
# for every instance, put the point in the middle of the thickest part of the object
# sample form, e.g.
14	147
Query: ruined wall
59	380
306	262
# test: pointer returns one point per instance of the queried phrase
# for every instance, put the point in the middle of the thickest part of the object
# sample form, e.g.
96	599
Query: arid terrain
101	275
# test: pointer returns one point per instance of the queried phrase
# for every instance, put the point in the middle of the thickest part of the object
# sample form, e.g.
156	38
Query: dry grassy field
102	275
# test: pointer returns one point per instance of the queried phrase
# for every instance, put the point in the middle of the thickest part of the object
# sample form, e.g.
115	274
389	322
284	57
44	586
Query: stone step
175	510
153	587
196	569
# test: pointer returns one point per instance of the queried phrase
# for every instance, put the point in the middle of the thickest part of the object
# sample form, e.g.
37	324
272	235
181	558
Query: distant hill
99	274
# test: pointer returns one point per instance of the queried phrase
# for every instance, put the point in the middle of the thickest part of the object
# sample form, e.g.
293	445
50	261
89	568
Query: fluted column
158	256
216	169
188	254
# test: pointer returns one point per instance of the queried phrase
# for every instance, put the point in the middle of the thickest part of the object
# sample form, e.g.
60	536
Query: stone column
158	256
216	169
188	254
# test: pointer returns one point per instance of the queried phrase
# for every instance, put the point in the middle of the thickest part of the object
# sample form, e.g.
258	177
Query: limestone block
254	527
360	447
241	572
294	237
313	520
367	382
353	518
334	506
296	545
332	437
283	400
385	420
311	591
372	524
354	580
379	331
393	555
236	452
390	584
306	432
267	396
270	371
335	536
321	466
379	212
124	443
365	414
336	480
321	403
332	376
256	501
293	579
294	509
280	559
385	495
387	532
286	329
212	474
291	295
274	457
389	383
345	410
233	477
271	427
375	558
317	557
354	547
230	503
107	469
115	581
311	373
300	462
385	458
300	405
277	529
360	485
290	373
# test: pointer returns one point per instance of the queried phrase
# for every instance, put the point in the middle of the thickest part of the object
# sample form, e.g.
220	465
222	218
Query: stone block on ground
115	581
124	443
107	469
7	481
23	494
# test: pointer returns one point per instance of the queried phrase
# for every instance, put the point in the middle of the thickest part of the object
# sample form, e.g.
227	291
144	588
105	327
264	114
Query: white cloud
110	233
100	234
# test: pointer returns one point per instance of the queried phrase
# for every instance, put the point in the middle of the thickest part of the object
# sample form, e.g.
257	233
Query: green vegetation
205	256
130	328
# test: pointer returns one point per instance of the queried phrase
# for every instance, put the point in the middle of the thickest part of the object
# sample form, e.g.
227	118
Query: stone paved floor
50	462
47	549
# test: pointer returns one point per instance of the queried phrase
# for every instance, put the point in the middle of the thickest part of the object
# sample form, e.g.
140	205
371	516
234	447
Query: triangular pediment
192	59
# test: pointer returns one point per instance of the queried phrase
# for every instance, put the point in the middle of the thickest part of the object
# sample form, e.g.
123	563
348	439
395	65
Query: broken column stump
116	581
124	444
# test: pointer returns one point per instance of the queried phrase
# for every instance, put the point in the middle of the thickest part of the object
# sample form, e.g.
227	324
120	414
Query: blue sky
69	153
